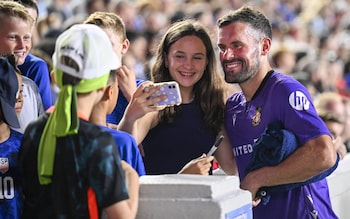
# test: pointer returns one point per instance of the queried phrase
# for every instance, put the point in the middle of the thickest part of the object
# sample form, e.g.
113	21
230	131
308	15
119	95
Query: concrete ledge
176	196
187	186
219	197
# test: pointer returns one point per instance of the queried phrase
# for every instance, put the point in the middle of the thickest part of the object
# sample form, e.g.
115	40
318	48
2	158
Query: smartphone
215	146
172	90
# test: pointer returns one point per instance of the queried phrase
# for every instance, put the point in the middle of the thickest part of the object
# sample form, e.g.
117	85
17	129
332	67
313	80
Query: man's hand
252	183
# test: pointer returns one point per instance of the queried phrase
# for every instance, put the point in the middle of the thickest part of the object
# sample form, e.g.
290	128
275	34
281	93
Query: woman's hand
140	103
200	165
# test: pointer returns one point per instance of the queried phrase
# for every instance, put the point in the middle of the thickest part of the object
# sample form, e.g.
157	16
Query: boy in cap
113	99
71	168
10	140
125	142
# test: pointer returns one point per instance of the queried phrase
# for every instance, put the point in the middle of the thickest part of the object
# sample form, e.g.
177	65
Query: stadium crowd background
311	39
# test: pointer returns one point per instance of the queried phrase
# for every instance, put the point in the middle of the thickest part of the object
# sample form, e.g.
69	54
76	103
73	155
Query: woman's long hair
209	90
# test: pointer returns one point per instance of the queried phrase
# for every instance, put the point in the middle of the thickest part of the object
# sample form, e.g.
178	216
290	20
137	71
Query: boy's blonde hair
14	9
108	20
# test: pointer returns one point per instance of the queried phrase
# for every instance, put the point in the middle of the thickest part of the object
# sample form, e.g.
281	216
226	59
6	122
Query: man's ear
266	46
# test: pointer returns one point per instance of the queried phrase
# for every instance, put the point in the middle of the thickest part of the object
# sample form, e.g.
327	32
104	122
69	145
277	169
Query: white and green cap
89	46
91	50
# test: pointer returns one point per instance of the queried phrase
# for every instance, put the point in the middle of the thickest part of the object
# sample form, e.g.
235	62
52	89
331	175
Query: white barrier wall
219	197
339	188
183	196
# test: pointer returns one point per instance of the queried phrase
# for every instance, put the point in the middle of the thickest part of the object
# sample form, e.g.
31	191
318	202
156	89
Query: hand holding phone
172	90
215	146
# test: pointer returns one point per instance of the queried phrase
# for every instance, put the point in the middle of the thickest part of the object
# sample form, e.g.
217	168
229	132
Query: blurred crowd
311	39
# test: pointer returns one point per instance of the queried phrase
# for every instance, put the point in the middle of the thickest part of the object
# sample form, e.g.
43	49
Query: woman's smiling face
187	60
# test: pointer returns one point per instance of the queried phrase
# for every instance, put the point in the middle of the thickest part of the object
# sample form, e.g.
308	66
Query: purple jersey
279	98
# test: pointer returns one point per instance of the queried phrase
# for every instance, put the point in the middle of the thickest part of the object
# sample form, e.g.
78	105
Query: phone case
172	90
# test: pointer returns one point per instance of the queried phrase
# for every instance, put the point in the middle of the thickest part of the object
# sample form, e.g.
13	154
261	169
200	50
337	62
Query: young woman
175	139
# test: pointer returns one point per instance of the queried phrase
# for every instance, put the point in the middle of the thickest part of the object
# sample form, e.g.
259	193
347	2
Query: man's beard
245	74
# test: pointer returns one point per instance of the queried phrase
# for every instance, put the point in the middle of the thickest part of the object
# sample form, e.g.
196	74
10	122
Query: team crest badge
4	164
234	117
257	117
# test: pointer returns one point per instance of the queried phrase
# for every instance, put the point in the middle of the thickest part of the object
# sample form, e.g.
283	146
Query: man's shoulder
283	79
282	85
236	97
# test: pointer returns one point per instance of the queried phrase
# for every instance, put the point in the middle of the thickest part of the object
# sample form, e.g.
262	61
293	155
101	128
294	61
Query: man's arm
312	158
225	157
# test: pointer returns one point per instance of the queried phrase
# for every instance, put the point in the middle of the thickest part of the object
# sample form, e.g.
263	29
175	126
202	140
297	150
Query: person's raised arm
141	113
225	157
126	81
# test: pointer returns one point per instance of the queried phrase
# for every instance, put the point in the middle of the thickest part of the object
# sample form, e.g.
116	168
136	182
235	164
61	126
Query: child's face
187	60
19	96
15	38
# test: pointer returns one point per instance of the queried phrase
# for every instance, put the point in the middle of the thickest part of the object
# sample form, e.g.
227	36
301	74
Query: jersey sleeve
298	113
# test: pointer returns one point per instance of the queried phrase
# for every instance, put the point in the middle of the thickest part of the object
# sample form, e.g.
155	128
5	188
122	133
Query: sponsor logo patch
298	101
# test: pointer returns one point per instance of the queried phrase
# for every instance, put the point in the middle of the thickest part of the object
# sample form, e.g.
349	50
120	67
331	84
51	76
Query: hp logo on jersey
298	101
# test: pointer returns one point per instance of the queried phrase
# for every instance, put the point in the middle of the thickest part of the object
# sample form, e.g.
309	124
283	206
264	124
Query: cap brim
10	115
